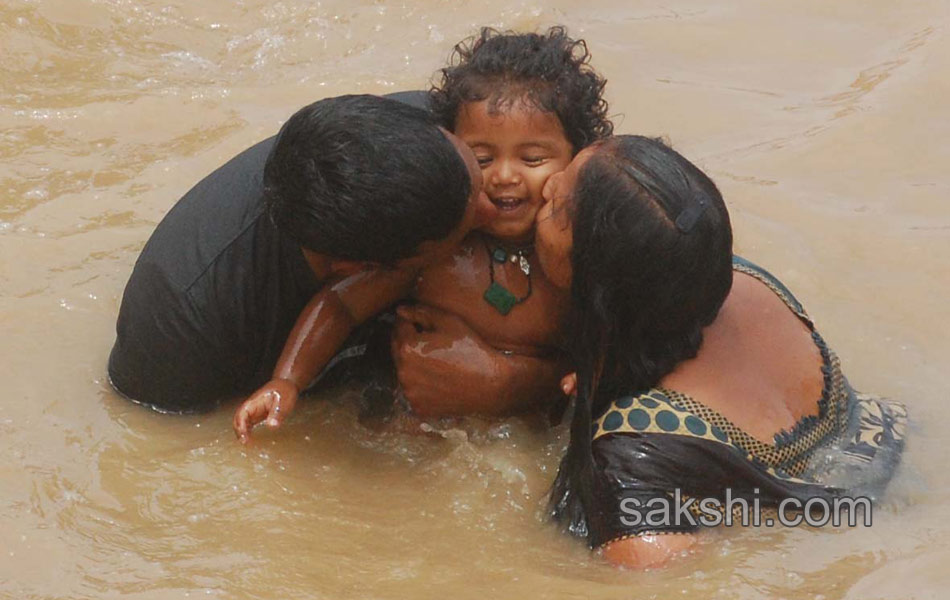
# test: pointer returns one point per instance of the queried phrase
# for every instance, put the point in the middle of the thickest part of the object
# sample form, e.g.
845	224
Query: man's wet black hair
549	70
365	178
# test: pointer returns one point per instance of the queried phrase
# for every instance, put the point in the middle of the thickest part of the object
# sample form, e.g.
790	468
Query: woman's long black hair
652	265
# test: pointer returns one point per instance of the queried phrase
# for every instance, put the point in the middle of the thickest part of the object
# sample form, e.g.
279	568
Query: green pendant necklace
498	295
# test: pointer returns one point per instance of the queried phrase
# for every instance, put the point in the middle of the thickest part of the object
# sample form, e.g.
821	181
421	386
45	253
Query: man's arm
445	368
321	329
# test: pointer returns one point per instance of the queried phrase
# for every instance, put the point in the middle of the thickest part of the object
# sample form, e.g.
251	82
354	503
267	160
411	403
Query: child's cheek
538	192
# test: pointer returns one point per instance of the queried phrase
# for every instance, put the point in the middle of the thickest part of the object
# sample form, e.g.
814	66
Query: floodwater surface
824	123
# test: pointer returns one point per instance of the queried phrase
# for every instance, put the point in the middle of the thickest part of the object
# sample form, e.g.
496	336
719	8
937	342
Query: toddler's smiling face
518	147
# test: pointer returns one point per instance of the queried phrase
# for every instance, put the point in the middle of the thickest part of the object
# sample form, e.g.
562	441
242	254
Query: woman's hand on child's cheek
444	368
272	402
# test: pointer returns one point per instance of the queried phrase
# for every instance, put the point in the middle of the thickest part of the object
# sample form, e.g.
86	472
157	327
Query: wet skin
554	237
518	149
354	292
457	284
755	349
759	368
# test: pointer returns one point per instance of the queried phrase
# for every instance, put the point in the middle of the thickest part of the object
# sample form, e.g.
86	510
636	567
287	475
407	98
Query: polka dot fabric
667	411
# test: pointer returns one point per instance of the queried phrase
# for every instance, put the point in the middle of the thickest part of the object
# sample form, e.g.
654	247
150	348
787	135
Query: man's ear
344	268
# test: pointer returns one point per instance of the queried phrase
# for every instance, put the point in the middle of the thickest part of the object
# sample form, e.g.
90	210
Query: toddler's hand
273	402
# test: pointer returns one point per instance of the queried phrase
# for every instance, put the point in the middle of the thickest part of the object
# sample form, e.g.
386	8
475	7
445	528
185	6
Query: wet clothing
214	294
648	445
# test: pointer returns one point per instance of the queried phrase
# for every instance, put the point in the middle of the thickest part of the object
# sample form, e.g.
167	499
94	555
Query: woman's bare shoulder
756	354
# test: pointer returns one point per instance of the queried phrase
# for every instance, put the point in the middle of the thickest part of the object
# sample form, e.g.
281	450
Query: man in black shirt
355	187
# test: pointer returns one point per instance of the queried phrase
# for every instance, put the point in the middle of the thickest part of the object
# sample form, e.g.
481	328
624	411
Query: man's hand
272	402
569	384
446	369
443	366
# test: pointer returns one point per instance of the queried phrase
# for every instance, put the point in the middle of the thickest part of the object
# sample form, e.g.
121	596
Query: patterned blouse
661	450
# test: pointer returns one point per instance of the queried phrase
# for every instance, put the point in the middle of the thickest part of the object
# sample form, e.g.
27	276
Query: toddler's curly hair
548	70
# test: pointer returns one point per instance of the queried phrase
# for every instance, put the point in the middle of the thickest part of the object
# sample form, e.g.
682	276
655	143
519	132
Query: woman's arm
647	551
644	514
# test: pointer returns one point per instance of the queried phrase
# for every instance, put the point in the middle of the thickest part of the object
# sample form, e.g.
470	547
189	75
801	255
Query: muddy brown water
824	123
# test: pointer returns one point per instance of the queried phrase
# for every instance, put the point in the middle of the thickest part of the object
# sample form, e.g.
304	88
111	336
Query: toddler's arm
321	329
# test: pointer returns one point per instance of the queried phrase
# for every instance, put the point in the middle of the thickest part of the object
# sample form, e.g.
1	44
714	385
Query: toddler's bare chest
519	312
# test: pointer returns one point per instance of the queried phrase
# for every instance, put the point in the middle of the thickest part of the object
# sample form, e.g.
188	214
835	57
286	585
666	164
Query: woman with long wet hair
699	376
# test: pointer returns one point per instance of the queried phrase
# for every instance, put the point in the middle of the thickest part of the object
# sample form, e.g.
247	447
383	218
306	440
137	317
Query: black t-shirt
214	294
